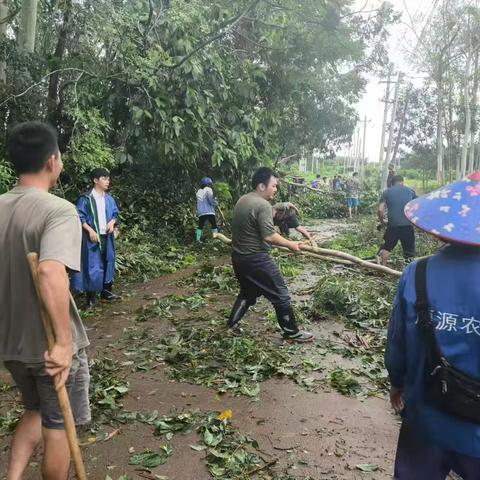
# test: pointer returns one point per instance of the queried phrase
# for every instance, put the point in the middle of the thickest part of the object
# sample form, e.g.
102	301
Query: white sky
402	39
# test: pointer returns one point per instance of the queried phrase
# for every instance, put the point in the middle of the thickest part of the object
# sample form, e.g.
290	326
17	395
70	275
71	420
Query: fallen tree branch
303	185
328	255
351	258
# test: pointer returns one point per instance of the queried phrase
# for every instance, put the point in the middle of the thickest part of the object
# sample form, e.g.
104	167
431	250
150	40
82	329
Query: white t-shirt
101	210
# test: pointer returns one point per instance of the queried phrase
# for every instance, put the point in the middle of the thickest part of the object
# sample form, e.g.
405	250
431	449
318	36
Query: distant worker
253	233
433	344
336	184
316	183
352	187
206	203
391	174
285	217
99	215
399	228
325	182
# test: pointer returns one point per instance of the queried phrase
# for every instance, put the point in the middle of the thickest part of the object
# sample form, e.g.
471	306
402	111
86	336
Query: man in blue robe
98	213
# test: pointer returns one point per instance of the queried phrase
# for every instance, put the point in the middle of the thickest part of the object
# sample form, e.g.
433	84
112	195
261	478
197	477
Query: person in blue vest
206	204
98	213
434	328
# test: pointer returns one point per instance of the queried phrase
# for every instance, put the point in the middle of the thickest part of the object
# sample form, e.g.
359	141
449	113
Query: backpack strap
424	319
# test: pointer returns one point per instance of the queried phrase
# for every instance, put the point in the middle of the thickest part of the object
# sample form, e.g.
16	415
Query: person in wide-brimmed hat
433	346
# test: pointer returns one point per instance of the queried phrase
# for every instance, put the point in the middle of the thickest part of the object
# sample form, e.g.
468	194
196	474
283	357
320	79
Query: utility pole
363	159
386	100
402	124
391	132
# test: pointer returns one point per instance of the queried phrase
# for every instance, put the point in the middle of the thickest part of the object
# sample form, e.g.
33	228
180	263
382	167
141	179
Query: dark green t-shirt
252	222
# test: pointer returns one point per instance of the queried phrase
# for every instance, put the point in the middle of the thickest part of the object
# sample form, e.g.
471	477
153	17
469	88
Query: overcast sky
402	40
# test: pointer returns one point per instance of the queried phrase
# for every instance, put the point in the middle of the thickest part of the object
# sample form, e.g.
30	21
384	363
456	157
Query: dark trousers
405	235
258	276
419	459
207	218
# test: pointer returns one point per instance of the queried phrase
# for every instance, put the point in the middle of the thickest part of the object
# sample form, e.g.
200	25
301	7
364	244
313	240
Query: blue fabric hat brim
451	213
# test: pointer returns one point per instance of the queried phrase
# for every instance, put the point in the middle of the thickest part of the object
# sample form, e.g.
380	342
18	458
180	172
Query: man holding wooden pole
32	220
253	235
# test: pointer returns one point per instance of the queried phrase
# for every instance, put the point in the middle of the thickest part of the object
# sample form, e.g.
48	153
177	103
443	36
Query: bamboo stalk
62	392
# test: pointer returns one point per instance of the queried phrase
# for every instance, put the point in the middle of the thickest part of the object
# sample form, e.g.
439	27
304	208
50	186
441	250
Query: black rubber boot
107	293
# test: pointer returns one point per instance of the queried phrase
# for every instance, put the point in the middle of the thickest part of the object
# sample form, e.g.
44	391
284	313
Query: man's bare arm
54	289
381	211
277	240
303	231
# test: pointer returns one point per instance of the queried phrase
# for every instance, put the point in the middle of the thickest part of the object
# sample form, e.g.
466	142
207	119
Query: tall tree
27	26
3	39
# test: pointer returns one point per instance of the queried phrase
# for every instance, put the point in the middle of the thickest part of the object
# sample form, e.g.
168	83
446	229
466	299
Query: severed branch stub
329	255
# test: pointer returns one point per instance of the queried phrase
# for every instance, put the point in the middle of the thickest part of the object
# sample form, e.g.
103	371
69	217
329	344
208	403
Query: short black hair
397	179
99	172
354	174
319	176
30	145
262	175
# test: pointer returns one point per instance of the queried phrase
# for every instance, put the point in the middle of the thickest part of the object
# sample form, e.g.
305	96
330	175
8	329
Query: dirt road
302	434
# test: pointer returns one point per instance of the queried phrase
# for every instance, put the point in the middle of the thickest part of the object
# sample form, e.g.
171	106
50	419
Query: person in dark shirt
399	228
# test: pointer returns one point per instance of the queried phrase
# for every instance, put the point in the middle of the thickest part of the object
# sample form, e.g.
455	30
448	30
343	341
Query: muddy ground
322	435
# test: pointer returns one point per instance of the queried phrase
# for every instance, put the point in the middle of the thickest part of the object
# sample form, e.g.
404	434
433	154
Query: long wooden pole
329	255
62	392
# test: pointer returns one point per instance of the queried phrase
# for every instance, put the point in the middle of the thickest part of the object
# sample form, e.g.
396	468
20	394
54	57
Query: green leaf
198	448
367	467
149	459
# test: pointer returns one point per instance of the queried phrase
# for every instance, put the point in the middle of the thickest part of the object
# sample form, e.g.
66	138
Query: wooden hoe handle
62	392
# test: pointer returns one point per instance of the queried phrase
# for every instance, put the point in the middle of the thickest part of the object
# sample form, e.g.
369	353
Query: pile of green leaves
364	303
365	300
210	356
107	388
162	307
213	277
325	204
140	256
229	455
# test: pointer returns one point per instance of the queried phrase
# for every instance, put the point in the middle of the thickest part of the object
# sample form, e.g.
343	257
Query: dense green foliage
165	92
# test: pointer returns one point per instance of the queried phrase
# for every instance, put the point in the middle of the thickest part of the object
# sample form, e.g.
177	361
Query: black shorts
207	218
287	223
405	234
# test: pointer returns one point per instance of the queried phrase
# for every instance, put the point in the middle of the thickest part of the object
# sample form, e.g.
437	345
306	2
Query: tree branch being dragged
328	255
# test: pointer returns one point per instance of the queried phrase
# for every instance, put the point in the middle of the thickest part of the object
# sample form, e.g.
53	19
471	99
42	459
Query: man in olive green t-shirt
253	233
33	220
